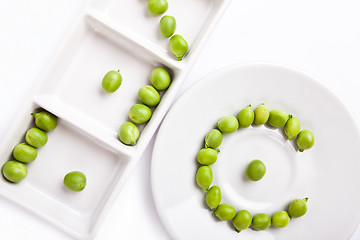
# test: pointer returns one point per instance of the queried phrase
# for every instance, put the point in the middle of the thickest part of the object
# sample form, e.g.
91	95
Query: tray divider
89	127
99	21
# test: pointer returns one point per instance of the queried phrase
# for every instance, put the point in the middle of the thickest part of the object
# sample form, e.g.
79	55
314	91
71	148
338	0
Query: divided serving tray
108	35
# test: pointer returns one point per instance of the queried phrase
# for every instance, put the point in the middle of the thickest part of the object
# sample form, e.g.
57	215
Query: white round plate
328	174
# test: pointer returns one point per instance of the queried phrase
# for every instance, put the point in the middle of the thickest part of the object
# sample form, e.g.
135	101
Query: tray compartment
194	18
67	149
75	81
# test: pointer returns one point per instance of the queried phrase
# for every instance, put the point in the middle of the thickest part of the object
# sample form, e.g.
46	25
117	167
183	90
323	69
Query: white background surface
320	37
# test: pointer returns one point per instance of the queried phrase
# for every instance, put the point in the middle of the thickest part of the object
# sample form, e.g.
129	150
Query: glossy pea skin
157	7
305	140
213	139
292	128
139	113
261	114
278	118
36	137
45	121
128	133
149	96
160	78
261	221
24	153
75	181
246	117
213	197
280	219
242	220
256	170
178	46
225	212
298	208
204	177
14	171
111	81
228	124
207	156
167	26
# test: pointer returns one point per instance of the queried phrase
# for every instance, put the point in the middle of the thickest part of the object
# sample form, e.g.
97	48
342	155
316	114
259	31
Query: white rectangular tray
108	35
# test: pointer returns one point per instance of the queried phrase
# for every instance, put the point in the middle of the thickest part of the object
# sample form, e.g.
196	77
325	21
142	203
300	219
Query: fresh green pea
246	117
149	96
225	212
213	138
242	220
278	118
228	124
36	137
280	219
167	26
292	128
139	113
207	156
255	171
204	177
160	78
305	140
75	181
261	221
24	153
178	46
261	114
129	133
14	171
45	121
298	208
157	7
213	197
111	81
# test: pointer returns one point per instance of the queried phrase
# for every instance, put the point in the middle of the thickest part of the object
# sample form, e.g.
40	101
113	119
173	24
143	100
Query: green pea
149	96
24	153
36	137
129	133
157	7
228	124
261	114
45	121
207	156
111	81
213	138
167	26
280	219
298	208
255	171
14	171
242	220
261	221
75	181
292	128
204	177
139	113
225	212
305	140
246	117
278	118
213	197
160	78
178	46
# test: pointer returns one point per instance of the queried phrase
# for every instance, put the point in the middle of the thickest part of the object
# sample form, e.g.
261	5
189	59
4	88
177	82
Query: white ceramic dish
103	38
327	174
